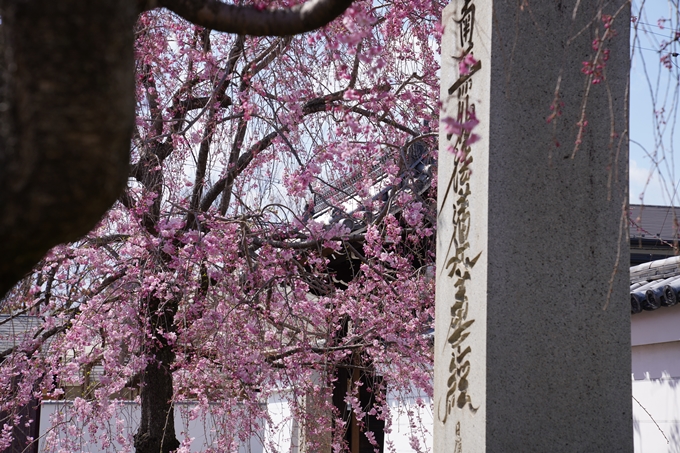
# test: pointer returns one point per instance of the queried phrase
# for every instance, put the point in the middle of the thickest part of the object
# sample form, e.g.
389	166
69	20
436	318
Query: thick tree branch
202	161
247	20
322	103
355	66
263	60
233	159
275	357
106	240
218	94
149	83
236	170
382	119
302	245
234	55
180	109
36	345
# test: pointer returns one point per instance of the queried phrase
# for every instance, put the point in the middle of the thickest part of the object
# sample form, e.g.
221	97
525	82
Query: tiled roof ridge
655	284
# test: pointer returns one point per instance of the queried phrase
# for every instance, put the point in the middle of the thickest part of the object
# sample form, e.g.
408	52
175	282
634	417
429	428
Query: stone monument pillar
532	342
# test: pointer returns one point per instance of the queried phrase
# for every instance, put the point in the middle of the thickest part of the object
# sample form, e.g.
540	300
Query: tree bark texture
249	20
66	117
156	433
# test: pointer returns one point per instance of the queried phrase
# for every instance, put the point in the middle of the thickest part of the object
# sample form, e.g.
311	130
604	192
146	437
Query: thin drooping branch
248	20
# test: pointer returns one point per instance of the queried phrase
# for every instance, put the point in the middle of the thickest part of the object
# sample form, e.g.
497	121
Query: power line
674	54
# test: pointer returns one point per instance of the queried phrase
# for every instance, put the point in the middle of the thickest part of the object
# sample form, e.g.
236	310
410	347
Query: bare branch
247	20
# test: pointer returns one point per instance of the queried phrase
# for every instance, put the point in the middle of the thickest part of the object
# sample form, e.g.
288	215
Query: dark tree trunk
66	115
156	433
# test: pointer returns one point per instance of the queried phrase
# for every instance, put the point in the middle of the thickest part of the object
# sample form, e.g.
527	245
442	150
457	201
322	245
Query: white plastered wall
655	338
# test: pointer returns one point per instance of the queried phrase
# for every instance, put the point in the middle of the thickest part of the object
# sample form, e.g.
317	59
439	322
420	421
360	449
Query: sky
654	162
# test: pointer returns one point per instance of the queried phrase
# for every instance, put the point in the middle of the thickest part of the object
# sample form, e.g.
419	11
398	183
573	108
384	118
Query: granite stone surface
532	336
